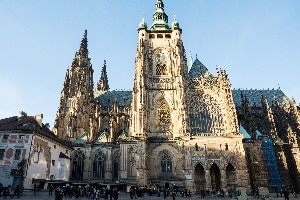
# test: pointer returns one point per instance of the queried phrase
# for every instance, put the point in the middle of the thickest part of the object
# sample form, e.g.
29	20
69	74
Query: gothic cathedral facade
178	125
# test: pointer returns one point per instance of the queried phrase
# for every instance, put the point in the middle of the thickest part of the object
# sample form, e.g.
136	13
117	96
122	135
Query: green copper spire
160	18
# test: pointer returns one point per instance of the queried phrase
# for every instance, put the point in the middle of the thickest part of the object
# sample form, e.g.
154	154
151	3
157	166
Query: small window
168	36
18	154
151	36
53	162
54	146
2	151
22	137
160	36
5	137
67	151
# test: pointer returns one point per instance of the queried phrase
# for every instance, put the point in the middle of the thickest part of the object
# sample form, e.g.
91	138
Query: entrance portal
215	176
200	182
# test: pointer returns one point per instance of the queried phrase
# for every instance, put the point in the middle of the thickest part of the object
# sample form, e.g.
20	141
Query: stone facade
178	125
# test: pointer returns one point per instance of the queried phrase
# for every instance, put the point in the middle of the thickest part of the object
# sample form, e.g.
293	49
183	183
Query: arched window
164	116
161	69
116	159
78	158
99	165
166	161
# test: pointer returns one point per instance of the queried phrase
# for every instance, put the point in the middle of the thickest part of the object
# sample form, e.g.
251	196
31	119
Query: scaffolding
271	164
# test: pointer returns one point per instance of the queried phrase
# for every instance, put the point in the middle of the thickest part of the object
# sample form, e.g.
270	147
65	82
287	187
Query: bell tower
160	71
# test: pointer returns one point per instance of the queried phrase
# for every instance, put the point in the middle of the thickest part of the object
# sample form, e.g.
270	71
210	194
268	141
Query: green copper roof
244	132
81	139
160	18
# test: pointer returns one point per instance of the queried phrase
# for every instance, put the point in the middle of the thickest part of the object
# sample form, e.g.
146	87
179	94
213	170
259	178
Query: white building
30	153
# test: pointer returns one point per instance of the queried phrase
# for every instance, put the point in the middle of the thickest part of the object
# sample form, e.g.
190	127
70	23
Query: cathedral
180	125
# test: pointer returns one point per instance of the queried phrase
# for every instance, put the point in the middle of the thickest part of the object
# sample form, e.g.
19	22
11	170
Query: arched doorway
230	176
200	182
215	176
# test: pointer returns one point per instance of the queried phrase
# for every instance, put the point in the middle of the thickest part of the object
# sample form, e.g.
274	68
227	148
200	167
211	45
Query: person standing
115	194
17	191
50	190
173	195
286	195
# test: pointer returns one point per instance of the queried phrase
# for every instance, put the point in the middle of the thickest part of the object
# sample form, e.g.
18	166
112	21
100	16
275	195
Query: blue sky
257	42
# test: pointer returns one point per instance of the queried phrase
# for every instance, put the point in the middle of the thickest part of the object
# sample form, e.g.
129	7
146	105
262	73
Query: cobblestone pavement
125	196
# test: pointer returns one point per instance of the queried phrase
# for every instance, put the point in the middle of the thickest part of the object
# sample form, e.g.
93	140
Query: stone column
223	179
208	179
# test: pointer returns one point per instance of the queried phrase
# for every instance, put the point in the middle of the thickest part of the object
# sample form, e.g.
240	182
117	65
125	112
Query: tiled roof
122	98
254	96
198	70
30	125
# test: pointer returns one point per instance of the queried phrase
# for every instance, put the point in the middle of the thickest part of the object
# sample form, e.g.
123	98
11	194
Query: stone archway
230	175
215	176
200	181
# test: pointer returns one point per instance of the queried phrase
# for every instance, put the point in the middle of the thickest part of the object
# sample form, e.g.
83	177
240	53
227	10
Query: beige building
177	126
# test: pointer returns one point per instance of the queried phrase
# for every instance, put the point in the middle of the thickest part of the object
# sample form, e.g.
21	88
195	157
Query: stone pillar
208	179
223	179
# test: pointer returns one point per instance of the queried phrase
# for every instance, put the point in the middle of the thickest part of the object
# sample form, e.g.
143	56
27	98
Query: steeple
83	50
160	18
77	96
102	84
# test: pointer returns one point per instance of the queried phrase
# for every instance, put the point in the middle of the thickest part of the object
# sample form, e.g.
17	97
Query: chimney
22	114
39	119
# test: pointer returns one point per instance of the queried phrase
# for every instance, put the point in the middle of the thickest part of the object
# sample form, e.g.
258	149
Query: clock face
160	58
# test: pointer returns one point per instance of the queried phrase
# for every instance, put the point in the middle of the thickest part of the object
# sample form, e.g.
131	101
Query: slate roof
122	98
254	97
28	124
199	70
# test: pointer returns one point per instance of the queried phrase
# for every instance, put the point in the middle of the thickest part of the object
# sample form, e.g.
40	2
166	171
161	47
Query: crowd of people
90	192
6	191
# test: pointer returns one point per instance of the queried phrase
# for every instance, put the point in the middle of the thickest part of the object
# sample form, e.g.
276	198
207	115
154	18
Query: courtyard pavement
125	196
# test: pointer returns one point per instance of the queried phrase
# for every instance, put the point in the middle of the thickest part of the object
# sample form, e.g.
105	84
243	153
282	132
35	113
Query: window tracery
205	115
78	158
99	165
166	161
164	116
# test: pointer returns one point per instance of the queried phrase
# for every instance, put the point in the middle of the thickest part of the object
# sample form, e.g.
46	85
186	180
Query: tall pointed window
164	116
166	161
116	159
78	158
99	165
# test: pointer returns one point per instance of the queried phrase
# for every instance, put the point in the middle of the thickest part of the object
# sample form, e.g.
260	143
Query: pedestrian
173	195
50	190
286	195
34	189
115	194
17	191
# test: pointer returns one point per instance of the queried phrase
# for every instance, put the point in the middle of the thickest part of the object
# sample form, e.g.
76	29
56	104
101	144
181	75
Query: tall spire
160	18
83	50
102	84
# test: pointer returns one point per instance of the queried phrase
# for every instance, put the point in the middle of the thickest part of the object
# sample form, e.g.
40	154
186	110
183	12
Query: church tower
76	101
160	68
